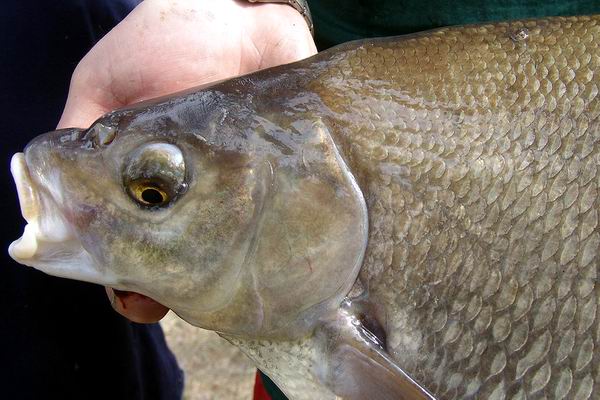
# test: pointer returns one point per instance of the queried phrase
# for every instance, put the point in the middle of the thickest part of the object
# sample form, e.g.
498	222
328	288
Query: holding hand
165	46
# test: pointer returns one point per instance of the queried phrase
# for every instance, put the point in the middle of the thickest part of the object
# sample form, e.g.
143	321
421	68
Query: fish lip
28	197
26	246
49	243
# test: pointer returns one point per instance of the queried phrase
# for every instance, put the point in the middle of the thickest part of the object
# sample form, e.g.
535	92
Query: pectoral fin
359	375
357	367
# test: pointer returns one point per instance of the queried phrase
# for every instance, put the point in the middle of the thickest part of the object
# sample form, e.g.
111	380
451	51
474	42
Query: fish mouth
49	243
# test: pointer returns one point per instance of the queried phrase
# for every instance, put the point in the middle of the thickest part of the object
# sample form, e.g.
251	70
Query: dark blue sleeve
60	339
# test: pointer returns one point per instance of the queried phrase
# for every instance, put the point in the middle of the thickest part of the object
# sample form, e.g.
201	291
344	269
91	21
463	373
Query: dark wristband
300	5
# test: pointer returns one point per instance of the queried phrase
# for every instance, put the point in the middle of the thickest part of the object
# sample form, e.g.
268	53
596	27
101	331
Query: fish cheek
219	228
88	192
98	226
214	224
144	255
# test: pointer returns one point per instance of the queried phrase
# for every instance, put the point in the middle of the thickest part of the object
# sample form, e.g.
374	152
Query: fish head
239	220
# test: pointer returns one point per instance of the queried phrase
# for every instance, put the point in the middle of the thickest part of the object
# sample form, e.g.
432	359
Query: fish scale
473	150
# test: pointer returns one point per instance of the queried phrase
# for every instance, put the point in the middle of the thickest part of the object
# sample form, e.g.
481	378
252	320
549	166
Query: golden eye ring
148	193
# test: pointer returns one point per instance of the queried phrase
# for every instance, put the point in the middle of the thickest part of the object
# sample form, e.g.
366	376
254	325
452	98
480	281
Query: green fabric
271	388
339	21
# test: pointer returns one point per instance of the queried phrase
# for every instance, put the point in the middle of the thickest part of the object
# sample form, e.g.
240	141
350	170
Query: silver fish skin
399	218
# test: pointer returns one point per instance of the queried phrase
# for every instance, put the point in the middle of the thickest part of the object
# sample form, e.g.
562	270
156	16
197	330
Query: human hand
165	46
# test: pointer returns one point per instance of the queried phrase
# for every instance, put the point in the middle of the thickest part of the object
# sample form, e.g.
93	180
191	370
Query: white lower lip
26	246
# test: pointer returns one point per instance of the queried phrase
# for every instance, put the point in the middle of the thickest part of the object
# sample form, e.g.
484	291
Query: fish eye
148	193
154	175
153	196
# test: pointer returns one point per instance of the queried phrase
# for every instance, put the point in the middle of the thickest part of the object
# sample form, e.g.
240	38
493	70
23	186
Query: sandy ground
214	369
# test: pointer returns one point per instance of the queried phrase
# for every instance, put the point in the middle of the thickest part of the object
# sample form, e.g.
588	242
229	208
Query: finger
89	97
136	307
91	91
79	112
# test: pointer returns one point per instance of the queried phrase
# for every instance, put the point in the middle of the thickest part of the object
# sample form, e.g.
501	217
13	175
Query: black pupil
152	196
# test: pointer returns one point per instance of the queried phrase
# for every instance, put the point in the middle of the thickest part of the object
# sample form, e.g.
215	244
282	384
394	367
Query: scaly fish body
455	172
479	157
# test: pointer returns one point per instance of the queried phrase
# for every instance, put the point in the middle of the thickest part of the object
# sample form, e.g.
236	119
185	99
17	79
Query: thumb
86	102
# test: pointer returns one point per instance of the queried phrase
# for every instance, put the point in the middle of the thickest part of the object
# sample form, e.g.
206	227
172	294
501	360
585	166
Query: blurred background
214	369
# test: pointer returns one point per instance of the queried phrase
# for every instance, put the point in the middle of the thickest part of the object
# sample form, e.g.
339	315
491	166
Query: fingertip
88	97
79	114
136	307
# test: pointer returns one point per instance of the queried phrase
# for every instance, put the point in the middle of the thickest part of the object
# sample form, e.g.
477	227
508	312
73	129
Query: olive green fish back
477	149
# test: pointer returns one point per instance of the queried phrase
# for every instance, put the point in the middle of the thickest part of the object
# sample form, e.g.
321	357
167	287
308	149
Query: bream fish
399	218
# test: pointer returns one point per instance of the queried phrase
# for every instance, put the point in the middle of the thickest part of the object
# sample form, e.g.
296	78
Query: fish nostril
105	134
98	135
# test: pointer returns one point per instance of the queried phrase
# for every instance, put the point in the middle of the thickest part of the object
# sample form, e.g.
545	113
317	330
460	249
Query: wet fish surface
400	218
